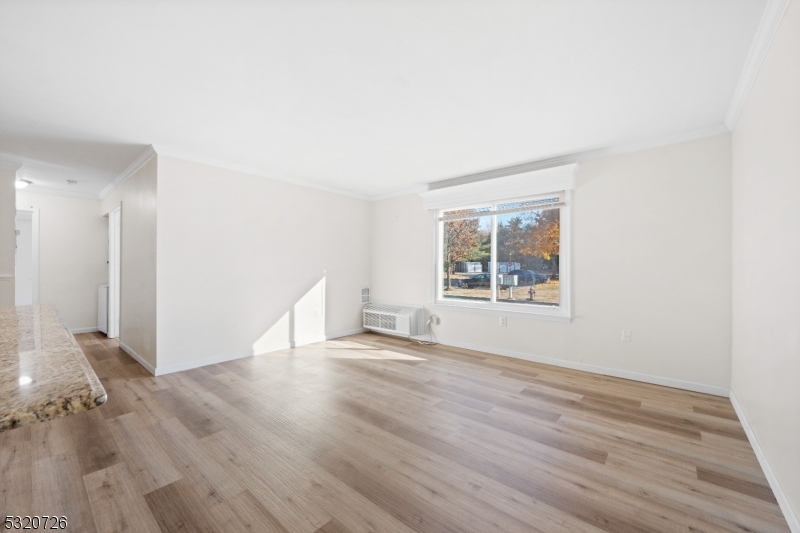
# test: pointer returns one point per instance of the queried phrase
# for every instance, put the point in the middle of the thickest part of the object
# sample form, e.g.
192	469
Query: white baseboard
83	330
130	351
188	365
635	376
783	501
161	370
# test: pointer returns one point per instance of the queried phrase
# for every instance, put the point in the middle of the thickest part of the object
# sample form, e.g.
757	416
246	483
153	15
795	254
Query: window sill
544	313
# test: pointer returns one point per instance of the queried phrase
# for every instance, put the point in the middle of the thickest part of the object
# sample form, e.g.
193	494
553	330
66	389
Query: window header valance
542	203
537	182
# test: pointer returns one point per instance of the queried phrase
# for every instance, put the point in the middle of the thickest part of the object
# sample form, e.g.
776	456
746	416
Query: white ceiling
368	97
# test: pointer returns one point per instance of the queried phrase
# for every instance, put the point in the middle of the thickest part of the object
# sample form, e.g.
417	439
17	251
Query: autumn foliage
462	242
525	236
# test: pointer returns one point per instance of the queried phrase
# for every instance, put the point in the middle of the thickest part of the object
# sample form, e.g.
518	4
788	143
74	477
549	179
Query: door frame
114	270
34	252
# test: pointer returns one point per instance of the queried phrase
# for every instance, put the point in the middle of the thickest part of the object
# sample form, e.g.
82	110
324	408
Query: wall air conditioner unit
391	319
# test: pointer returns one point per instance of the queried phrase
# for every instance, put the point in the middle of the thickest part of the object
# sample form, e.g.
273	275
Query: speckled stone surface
43	372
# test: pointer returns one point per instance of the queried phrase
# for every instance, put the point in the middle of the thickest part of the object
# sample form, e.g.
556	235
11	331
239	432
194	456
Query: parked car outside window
529	277
481	280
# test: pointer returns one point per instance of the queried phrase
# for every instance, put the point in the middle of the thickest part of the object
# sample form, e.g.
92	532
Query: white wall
23	269
766	258
72	254
138	195
7	234
651	254
244	262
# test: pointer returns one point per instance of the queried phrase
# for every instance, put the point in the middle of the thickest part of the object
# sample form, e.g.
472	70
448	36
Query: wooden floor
374	434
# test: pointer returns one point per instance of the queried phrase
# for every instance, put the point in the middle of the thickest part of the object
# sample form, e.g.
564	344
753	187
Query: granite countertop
43	372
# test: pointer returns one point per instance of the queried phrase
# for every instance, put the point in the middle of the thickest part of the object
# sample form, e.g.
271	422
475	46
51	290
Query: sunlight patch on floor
344	350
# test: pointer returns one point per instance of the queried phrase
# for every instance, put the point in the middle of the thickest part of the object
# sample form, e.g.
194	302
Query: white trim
169	152
128	350
36	189
540	164
625	374
76	331
758	51
783	501
553	313
161	370
137	163
532	183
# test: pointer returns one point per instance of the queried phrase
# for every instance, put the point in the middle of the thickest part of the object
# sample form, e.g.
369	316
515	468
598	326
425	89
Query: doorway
26	257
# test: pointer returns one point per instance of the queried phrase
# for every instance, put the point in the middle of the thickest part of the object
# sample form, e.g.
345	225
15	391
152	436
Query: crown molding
541	164
169	152
143	158
36	189
404	192
577	157
10	167
758	51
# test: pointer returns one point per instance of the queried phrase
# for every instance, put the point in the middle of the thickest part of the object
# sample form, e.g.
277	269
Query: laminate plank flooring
371	434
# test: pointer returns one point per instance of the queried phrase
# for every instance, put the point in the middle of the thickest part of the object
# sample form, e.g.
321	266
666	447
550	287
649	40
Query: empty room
400	266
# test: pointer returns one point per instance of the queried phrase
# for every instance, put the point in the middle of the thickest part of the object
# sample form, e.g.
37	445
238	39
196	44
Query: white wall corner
194	158
141	360
161	370
758	51
788	512
9	167
143	158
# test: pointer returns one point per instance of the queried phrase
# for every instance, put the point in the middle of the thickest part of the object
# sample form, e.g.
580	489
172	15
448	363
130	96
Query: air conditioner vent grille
391	319
383	309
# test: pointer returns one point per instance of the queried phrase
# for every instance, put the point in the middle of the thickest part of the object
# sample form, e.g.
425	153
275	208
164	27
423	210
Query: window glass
467	248
528	249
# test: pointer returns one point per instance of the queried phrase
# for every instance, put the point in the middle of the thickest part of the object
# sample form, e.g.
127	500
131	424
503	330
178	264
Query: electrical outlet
626	335
504	321
316	313
434	320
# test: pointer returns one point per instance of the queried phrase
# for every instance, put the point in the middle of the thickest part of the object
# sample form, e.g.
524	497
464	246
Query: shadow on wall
303	323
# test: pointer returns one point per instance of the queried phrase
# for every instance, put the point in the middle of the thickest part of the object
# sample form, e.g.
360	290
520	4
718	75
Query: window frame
556	313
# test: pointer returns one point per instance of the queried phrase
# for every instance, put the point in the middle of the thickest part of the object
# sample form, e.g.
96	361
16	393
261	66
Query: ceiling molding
169	152
566	159
58	192
143	158
578	157
763	39
10	167
404	192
